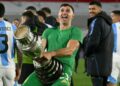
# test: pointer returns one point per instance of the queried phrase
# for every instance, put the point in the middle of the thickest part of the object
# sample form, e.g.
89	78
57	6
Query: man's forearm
67	51
63	52
19	59
43	45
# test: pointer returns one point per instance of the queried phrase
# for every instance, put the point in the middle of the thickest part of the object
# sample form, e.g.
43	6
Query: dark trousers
99	81
27	69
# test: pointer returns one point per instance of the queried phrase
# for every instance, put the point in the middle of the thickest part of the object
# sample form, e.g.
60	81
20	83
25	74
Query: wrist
53	53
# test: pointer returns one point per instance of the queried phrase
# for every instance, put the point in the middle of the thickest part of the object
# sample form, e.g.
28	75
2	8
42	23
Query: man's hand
18	73
48	55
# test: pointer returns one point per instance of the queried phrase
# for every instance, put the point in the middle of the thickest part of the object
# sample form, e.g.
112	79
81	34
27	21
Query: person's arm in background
19	57
19	63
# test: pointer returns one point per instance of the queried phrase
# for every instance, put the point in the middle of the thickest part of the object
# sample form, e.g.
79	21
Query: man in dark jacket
98	45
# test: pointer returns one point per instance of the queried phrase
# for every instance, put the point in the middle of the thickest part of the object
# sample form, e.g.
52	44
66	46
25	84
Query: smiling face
65	15
94	10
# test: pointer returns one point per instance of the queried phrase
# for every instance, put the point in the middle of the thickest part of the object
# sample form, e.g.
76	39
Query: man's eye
68	10
62	10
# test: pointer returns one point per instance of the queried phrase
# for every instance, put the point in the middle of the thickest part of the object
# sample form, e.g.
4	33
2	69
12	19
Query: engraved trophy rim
21	37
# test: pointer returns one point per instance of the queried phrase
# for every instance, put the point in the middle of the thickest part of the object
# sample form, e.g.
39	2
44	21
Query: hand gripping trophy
47	70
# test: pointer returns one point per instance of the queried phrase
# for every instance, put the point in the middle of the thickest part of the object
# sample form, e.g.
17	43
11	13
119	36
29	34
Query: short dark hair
46	9
2	10
41	13
65	4
28	14
31	8
95	3
117	12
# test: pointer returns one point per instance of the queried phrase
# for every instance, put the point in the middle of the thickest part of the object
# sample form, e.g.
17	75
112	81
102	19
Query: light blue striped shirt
116	30
7	42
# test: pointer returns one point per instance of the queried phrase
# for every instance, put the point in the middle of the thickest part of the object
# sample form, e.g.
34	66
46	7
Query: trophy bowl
27	41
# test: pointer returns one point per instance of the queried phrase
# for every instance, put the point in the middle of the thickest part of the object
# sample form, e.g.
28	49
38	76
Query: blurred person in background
16	22
49	18
8	72
113	78
27	18
32	9
40	26
41	18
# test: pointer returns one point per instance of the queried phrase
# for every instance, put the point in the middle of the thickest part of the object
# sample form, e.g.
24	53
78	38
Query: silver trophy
27	41
47	70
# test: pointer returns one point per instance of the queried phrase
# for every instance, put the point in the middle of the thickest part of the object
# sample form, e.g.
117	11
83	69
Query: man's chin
91	16
65	23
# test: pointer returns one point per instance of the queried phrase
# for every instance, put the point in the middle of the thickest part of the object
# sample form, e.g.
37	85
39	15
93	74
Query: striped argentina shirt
7	42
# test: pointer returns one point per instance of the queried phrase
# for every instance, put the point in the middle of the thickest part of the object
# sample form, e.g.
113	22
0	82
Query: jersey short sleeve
77	34
46	33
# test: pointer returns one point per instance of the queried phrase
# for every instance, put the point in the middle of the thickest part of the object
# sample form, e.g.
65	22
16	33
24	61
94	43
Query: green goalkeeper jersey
57	39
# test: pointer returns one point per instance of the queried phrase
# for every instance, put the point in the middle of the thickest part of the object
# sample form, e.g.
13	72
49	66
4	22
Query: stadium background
14	9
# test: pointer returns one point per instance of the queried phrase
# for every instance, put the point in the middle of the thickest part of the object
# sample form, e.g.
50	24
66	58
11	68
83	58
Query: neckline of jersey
64	29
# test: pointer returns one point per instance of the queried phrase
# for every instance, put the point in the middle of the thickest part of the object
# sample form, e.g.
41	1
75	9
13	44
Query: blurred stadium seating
14	8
